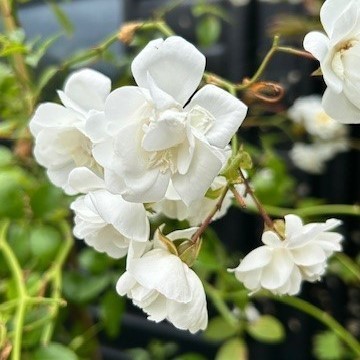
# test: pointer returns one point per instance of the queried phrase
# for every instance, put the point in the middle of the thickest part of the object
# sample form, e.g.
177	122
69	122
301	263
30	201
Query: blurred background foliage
42	268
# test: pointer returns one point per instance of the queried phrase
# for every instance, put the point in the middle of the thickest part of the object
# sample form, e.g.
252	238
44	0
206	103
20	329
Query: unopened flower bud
127	32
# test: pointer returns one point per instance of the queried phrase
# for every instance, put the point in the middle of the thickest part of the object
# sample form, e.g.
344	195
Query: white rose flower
165	287
109	224
281	265
159	134
174	208
61	144
312	158
309	112
338	53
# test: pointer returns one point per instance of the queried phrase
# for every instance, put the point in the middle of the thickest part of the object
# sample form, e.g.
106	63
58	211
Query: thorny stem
17	275
323	317
209	218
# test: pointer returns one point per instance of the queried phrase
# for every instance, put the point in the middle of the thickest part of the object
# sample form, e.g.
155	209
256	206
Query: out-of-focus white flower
61	144
158	134
109	224
174	208
338	53
309	112
165	287
282	264
312	158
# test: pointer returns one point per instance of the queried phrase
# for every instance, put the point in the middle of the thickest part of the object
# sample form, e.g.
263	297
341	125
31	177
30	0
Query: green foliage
327	346
81	288
219	329
61	17
45	242
112	307
266	329
208	30
233	349
54	351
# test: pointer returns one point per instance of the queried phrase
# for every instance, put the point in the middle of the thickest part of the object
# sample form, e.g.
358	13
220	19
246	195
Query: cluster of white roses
163	145
328	137
157	143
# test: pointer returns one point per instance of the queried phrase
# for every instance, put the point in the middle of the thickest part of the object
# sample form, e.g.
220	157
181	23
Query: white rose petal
108	223
338	52
61	142
153	139
282	264
165	287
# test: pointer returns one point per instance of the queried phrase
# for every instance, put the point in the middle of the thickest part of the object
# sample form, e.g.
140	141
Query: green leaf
233	349
93	261
47	75
18	239
55	351
190	356
112	307
208	30
327	346
36	55
46	201
81	288
218	329
45	241
12	201
6	156
62	17
266	329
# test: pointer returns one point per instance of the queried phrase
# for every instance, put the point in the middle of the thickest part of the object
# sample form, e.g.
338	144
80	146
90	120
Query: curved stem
54	274
17	275
323	317
350	265
220	304
331	209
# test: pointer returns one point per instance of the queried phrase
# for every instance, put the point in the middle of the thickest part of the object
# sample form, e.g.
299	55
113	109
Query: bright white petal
330	12
228	111
204	167
125	106
317	44
308	255
340	108
271	239
293	225
190	316
84	180
159	270
278	271
50	115
85	90
175	65
125	283
256	259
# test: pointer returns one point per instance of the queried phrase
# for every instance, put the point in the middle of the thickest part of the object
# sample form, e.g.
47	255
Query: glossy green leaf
327	346
266	329
218	329
233	349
